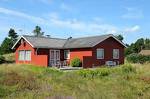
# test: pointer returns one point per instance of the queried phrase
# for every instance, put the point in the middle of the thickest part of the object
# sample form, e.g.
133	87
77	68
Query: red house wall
108	45
87	55
80	53
41	59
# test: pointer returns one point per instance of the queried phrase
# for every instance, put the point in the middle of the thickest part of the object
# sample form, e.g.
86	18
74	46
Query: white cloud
54	20
91	26
133	29
133	13
34	19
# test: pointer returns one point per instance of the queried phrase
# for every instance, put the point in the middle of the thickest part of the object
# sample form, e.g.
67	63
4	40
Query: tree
6	46
37	31
13	36
119	37
8	42
139	45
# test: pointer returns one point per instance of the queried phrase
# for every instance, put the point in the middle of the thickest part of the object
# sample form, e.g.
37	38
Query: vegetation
138	46
30	82
137	58
37	31
119	37
2	59
76	62
8	42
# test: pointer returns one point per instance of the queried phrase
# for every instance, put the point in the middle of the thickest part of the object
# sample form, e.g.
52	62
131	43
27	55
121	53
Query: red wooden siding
108	45
80	53
87	55
40	59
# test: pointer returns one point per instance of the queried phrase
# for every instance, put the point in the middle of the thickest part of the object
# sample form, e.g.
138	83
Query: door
54	57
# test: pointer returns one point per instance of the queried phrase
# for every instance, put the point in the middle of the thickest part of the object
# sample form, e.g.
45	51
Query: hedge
137	58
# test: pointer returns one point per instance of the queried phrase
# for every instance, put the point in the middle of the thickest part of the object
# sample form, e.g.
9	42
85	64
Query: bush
137	58
102	72
2	59
76	62
128	68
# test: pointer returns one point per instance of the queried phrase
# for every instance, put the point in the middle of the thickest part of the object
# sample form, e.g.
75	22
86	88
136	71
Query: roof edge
111	35
19	40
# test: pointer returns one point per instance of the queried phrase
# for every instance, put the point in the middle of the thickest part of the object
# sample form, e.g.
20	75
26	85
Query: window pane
66	54
57	55
28	55
116	53
52	54
100	53
21	55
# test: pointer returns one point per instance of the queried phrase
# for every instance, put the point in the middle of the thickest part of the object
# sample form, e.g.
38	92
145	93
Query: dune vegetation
31	82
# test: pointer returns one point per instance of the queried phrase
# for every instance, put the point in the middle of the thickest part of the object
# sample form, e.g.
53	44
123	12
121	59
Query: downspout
36	51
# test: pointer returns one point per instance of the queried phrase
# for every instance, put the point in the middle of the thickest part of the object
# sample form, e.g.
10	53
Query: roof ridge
93	36
42	37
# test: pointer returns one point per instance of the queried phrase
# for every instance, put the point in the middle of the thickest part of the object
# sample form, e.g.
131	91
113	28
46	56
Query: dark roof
45	42
84	42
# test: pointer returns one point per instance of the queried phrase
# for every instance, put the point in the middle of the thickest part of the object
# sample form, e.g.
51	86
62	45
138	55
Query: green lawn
30	82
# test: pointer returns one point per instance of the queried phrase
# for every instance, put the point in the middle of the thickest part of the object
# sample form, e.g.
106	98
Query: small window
21	55
28	55
100	53
66	54
115	53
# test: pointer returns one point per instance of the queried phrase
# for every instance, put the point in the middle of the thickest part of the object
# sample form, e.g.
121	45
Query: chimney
48	36
69	38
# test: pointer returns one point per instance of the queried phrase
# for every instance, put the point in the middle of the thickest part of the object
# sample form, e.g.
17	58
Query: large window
25	55
66	54
115	53
100	53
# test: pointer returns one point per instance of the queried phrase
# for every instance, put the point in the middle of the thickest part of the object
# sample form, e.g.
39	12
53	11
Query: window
25	55
28	55
21	55
66	54
115	53
57	54
100	53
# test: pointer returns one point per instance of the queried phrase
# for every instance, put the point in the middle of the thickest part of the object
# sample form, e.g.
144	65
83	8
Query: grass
31	82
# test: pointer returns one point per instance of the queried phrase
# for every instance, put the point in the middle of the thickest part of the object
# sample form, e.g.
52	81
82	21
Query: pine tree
37	31
9	42
6	46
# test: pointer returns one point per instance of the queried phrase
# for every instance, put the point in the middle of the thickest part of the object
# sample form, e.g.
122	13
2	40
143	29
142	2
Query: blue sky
77	18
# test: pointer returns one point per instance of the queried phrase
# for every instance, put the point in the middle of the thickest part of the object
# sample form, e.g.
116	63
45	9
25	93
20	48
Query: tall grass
31	82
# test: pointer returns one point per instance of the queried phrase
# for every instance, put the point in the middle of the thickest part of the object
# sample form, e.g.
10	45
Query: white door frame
53	60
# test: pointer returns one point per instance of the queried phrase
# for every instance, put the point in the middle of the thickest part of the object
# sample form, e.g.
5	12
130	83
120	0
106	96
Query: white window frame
100	49
26	58
118	52
24	55
21	58
66	55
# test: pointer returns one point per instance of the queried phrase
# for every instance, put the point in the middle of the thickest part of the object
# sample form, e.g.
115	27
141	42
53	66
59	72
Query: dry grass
30	82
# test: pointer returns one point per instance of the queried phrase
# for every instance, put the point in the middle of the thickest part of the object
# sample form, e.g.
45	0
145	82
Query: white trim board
19	40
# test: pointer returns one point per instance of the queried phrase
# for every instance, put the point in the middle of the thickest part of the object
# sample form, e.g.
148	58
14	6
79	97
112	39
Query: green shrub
95	73
137	58
76	62
2	59
128	68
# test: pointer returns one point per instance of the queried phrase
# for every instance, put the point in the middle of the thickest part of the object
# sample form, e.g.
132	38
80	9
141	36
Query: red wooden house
92	51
